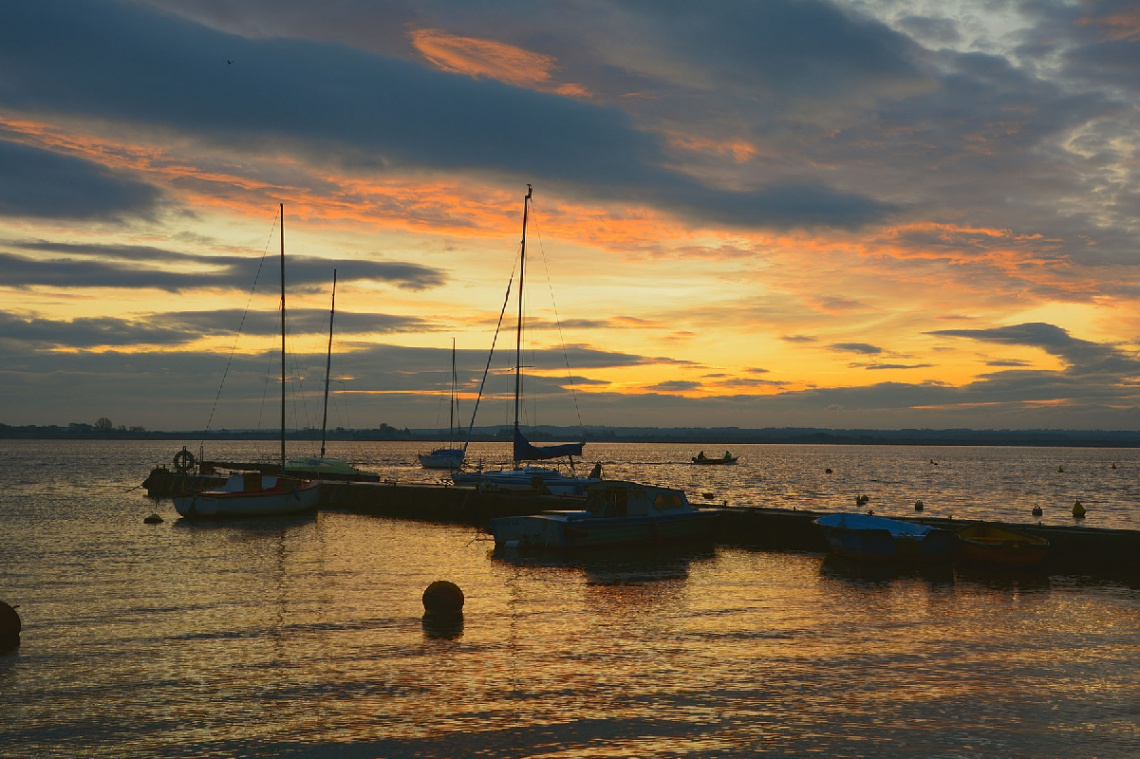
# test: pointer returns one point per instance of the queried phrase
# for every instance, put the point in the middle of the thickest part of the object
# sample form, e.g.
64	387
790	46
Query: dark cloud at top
42	184
804	48
126	63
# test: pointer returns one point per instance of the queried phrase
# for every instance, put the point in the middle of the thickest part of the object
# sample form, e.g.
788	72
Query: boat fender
183	461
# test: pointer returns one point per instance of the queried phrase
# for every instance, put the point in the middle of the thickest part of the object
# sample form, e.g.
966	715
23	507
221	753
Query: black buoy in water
443	610
153	519
1036	510
9	628
443	597
919	506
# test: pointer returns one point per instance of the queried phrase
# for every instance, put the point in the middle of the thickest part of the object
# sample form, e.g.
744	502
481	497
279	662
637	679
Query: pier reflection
620	566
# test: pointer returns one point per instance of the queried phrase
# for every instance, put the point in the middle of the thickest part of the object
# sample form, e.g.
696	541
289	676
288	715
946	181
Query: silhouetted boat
862	536
449	457
727	458
257	494
520	477
616	513
323	467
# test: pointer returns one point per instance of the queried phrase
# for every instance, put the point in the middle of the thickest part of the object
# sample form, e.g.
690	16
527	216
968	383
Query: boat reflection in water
861	572
628	565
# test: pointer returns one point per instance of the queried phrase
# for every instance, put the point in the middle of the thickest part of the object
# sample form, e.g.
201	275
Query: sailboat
521	477
326	467
256	494
450	457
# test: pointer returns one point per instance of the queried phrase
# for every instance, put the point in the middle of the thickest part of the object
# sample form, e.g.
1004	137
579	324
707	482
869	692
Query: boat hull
281	498
535	479
990	545
874	539
575	530
442	458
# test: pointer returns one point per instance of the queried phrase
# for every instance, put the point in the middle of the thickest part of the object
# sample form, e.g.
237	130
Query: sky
871	214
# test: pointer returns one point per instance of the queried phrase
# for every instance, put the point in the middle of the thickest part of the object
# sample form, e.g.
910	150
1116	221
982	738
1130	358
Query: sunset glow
925	225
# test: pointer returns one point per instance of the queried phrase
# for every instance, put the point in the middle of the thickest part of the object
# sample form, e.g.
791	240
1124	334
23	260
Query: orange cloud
494	60
740	150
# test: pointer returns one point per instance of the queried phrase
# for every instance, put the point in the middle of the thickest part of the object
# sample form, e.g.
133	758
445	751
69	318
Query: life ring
183	461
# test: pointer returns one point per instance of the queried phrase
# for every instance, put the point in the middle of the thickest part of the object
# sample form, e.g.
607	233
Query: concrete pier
1072	548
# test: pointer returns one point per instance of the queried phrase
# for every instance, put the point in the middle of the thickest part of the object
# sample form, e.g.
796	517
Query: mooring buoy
443	597
153	519
1078	510
919	506
1036	510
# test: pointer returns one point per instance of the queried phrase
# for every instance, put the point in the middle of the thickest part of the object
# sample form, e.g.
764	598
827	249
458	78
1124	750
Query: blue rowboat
862	536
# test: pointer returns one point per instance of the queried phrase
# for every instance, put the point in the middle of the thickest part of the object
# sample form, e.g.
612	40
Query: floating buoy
827	471
1114	466
443	597
861	499
153	519
443	610
9	627
1060	469
1036	510
918	506
1078	510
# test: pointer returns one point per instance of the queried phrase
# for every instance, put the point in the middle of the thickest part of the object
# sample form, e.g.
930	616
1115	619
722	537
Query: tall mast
282	338
328	369
451	406
518	329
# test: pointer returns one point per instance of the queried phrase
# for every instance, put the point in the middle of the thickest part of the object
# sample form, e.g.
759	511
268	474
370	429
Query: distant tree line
105	429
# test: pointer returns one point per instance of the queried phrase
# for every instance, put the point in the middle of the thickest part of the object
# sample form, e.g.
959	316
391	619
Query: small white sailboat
449	457
253	494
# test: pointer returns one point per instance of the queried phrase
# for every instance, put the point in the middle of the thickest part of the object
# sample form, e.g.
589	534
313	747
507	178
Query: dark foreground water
306	637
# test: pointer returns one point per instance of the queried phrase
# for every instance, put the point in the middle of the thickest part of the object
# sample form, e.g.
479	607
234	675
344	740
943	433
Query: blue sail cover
524	451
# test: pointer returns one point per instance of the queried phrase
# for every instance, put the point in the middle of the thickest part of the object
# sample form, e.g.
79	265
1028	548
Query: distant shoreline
663	435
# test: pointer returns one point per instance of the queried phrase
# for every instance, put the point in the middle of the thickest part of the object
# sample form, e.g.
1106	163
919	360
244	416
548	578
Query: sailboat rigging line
490	356
557	321
244	314
328	368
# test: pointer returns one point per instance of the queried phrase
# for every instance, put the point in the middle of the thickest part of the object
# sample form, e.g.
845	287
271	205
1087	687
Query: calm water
305	637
